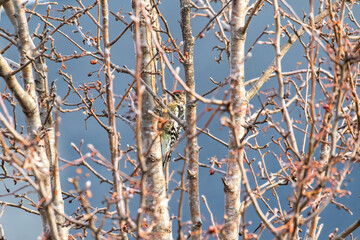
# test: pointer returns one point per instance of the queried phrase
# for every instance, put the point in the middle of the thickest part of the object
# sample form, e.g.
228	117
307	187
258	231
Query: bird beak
170	93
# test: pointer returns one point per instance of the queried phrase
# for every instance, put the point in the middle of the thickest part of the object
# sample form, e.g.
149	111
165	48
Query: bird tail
166	160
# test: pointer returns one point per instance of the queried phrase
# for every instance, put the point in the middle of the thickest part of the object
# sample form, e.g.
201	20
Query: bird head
177	95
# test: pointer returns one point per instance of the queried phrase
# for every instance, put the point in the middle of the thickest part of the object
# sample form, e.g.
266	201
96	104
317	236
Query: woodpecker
170	131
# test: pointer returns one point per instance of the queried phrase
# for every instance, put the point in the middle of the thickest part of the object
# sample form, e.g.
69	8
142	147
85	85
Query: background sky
74	129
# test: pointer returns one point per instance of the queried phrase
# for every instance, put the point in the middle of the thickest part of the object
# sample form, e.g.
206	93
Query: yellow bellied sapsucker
170	131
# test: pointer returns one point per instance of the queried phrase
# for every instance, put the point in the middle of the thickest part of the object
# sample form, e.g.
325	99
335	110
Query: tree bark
113	135
238	106
42	166
192	148
154	200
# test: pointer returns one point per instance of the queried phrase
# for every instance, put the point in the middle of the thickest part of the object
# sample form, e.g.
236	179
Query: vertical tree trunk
113	135
192	148
46	171
154	200
238	107
50	190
